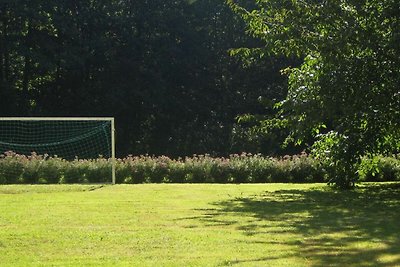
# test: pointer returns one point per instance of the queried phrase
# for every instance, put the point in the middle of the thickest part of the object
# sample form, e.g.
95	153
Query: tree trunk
26	75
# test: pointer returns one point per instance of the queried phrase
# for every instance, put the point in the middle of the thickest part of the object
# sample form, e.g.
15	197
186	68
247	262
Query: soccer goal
42	146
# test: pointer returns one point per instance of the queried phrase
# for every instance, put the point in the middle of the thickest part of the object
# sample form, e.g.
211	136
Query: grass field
199	225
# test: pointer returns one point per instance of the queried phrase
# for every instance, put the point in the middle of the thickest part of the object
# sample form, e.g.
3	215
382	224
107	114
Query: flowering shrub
243	168
11	167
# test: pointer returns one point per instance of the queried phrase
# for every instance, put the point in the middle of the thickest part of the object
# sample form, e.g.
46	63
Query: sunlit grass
199	225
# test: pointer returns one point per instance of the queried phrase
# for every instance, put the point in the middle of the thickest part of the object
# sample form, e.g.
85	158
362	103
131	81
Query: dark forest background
161	68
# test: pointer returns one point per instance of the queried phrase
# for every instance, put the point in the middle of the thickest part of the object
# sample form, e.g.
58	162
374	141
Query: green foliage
345	93
379	168
161	68
11	167
243	168
237	168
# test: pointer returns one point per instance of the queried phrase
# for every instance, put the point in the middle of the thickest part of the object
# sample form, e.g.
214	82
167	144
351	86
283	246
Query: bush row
244	168
380	169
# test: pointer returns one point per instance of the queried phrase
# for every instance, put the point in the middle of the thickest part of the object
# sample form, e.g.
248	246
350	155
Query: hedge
243	168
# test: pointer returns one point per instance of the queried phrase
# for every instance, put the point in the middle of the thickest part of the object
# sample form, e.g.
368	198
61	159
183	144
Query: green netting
56	151
67	139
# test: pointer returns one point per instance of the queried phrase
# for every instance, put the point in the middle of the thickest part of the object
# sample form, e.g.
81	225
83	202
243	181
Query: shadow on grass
332	228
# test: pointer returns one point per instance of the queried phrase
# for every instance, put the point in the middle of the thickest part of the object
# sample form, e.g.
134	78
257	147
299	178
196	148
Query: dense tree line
162	68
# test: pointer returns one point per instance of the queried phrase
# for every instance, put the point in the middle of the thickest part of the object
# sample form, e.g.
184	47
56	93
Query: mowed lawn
199	225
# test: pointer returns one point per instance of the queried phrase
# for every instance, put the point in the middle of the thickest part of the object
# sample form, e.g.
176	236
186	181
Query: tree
161	68
346	93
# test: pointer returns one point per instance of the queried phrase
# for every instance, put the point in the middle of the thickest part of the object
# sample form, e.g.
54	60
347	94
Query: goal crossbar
57	118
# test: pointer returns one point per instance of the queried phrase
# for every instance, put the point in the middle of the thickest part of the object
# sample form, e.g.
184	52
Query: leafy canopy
346	92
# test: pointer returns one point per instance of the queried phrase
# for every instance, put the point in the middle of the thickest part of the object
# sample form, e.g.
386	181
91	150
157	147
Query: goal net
57	150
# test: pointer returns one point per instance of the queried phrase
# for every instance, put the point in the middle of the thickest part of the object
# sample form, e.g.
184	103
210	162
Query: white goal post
64	137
